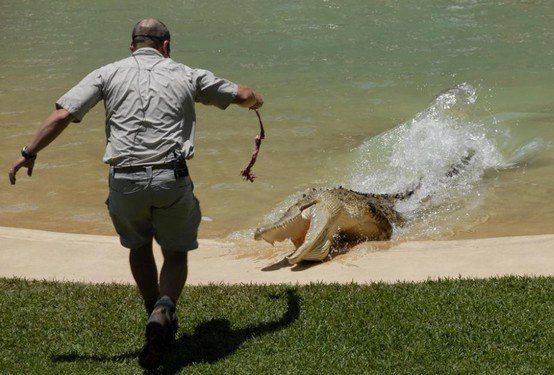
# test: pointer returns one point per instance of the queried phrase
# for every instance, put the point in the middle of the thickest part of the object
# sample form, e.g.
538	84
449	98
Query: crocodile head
293	224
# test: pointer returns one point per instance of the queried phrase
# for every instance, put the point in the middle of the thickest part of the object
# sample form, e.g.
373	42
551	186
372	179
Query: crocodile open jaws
325	218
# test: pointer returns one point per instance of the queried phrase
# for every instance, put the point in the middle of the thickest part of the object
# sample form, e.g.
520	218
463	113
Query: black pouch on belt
180	166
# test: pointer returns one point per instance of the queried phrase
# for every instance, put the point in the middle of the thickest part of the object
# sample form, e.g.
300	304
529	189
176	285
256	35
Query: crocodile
324	219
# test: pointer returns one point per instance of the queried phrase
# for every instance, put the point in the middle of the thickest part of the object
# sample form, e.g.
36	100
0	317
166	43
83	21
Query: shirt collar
147	51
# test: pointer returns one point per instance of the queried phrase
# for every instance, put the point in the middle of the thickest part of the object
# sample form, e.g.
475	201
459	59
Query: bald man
150	126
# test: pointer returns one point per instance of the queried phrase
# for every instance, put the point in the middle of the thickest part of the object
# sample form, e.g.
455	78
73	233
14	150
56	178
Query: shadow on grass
211	341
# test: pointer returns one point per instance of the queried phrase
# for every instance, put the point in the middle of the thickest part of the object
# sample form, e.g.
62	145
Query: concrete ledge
38	254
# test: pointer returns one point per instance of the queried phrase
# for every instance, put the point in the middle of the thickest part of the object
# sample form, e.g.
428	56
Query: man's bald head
149	32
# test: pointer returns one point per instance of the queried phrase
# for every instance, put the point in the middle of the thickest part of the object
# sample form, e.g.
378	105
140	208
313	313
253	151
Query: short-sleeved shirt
149	102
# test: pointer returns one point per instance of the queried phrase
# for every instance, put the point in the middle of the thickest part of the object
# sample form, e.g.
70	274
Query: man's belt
180	168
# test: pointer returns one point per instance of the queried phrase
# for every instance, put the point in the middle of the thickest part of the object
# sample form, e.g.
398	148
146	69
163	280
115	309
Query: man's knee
145	249
175	256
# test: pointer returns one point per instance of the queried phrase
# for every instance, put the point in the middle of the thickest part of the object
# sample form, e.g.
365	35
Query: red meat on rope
247	172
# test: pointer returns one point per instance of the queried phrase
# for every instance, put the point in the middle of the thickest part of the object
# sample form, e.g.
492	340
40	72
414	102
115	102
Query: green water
333	75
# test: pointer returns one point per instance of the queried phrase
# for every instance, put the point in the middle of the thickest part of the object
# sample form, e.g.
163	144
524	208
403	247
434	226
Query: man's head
151	32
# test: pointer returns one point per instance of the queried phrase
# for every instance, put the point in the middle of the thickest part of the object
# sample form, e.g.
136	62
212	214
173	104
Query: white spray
421	153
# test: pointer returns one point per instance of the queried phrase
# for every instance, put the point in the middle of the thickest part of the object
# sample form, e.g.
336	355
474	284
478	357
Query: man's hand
259	101
248	98
49	130
21	162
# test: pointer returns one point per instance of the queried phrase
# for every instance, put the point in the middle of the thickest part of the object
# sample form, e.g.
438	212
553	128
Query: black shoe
159	335
172	329
149	306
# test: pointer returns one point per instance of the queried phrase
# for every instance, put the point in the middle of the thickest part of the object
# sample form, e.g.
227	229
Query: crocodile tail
457	168
453	171
408	193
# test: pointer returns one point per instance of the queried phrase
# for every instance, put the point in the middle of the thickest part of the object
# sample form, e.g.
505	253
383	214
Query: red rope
247	172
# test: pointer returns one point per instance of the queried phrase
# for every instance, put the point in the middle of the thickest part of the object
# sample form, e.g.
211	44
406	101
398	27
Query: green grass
496	326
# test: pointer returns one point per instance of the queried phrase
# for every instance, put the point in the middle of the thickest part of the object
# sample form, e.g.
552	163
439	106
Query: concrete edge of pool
35	254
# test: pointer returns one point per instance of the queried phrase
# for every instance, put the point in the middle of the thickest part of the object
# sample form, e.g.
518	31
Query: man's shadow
211	341
214	340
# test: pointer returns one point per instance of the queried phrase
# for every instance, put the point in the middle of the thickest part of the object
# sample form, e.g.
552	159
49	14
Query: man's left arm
52	127
211	90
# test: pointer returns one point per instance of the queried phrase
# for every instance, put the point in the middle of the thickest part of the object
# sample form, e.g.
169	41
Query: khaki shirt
149	102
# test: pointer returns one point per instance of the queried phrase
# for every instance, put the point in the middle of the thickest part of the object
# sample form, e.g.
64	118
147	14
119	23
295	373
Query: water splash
422	152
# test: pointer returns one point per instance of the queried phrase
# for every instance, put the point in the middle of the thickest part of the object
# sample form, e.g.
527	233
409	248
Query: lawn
496	326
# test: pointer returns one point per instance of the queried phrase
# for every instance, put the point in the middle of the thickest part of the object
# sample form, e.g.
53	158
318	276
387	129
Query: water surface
334	74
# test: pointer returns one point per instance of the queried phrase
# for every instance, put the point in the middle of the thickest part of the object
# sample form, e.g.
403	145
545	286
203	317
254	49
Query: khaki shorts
154	204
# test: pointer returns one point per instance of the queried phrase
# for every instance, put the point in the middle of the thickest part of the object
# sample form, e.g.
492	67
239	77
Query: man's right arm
71	107
52	127
248	98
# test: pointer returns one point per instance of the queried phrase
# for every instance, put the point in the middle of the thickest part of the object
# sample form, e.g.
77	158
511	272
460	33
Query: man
150	125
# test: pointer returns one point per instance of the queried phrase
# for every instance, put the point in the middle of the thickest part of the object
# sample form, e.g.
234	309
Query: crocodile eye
303	195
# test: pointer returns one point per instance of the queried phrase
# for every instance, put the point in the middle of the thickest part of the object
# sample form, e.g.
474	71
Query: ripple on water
369	85
19	207
95	217
235	186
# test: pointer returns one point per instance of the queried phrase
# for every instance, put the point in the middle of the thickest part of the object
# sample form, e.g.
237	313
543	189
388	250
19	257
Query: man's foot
159	334
172	332
149	306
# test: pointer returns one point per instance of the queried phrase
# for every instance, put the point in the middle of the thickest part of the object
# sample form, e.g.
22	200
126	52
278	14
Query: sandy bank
61	256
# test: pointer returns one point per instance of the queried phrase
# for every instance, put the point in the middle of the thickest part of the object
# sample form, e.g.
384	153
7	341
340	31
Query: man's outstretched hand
259	101
49	130
248	98
19	163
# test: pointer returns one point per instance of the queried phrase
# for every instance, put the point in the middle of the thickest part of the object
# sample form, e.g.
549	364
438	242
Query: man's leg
145	273
173	274
175	218
162	325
